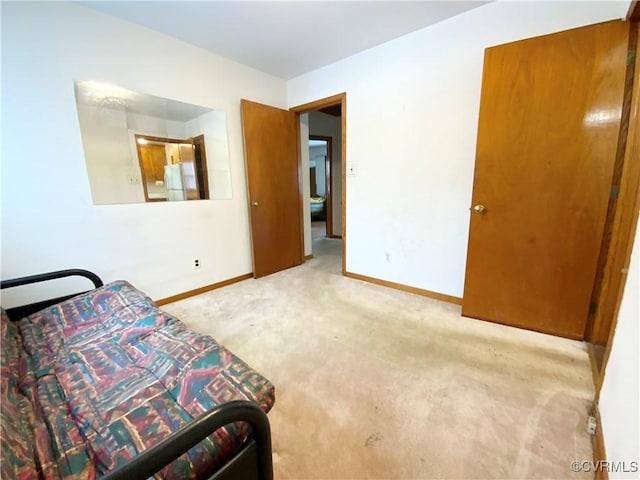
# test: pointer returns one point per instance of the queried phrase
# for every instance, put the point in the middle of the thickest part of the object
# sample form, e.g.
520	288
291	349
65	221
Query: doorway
275	142
321	199
325	120
172	169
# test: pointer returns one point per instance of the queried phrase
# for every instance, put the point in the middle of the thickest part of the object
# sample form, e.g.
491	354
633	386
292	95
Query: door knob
479	209
255	204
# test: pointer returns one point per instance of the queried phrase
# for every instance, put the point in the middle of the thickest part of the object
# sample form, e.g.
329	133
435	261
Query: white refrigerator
174	183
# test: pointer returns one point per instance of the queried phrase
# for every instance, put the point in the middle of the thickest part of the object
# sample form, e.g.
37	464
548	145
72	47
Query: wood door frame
608	274
633	15
200	165
328	185
626	219
338	99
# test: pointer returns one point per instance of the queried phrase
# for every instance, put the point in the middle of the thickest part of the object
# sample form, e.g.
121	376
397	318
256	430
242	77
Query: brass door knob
255	204
479	209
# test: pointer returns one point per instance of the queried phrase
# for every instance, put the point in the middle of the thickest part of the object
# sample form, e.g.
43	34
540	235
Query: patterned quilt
90	383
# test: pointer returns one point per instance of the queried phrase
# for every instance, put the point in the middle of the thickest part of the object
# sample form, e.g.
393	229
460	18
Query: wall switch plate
352	169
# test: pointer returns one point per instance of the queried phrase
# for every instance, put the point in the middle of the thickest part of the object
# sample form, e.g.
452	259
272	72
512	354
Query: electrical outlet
196	263
387	257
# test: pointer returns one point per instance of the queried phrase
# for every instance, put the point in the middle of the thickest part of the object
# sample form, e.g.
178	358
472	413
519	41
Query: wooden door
154	158
547	138
271	155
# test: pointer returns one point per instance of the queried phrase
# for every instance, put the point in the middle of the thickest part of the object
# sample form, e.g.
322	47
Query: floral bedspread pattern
92	382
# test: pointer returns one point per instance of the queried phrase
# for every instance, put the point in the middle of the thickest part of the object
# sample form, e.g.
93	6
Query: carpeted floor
376	383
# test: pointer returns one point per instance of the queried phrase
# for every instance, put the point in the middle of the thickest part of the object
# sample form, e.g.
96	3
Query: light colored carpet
376	383
318	230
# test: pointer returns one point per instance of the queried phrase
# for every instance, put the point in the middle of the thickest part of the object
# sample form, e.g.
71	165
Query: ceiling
284	38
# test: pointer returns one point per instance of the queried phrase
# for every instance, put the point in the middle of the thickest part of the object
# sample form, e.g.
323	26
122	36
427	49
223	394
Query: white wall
330	126
412	115
619	397
48	219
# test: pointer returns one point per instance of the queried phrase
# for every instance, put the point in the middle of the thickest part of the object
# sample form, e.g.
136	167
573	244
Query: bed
317	208
104	384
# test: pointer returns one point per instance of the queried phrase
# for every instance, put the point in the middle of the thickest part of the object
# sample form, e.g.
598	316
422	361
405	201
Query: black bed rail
252	463
16	313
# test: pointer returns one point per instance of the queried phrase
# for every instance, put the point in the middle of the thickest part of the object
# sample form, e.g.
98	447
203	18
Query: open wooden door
547	139
271	155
